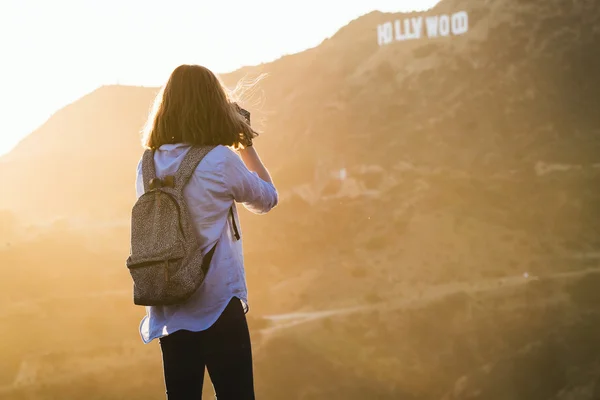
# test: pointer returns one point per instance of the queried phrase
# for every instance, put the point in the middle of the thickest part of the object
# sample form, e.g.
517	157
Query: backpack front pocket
156	282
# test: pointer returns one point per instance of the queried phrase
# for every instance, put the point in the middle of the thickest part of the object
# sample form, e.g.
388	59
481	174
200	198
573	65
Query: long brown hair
194	108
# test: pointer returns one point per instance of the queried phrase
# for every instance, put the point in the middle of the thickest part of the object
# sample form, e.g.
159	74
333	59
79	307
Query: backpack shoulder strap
189	164
148	169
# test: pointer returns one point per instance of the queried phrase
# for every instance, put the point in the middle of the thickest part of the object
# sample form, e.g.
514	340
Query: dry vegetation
469	165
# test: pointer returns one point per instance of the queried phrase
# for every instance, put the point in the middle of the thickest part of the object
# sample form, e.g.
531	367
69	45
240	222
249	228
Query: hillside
405	169
68	166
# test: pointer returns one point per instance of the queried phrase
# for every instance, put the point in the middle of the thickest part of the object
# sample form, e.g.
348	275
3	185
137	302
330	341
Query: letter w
432	26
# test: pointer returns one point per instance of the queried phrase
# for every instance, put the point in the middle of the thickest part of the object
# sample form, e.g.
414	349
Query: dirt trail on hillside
429	294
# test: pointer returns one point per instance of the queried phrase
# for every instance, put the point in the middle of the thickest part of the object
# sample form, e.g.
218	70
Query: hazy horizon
77	48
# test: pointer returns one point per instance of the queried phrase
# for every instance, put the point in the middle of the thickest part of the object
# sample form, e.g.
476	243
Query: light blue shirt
220	181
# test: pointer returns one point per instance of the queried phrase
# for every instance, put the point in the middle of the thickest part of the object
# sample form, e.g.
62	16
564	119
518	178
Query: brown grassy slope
536	341
441	140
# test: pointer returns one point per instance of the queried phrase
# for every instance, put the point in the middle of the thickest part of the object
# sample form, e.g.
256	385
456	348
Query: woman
210	329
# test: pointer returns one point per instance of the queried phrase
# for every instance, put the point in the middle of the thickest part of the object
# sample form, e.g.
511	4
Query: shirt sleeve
139	181
246	187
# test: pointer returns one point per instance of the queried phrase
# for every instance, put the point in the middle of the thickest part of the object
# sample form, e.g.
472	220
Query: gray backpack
166	263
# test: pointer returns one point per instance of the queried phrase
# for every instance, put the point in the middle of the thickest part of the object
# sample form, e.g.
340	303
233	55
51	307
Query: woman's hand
246	141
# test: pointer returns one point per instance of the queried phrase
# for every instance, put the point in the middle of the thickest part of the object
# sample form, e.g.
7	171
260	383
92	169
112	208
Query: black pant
224	349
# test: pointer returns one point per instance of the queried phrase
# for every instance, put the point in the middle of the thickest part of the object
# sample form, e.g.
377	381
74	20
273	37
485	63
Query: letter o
444	25
460	23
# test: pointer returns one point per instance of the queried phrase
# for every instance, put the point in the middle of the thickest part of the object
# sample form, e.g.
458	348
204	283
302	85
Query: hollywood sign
414	28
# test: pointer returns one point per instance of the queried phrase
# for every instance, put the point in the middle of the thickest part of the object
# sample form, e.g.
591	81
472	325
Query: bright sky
53	52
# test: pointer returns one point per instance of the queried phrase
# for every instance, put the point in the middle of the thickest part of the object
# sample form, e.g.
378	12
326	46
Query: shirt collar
172	146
